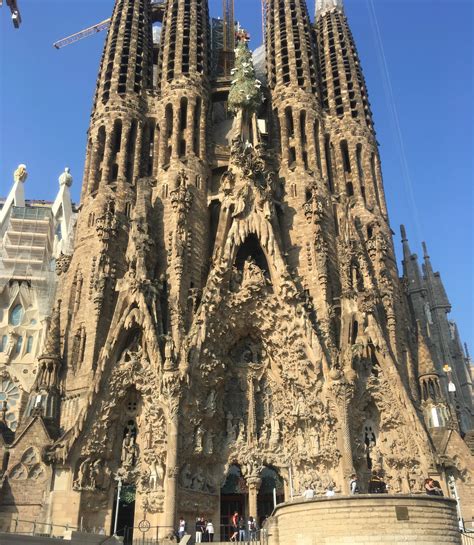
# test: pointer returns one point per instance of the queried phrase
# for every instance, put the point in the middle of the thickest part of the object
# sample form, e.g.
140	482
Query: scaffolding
27	252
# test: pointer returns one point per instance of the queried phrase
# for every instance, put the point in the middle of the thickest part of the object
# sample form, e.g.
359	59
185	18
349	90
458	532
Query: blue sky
46	98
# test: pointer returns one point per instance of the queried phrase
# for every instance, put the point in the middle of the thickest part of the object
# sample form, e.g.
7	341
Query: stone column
122	159
172	471
190	124
138	153
176	136
254	486
342	392
171	381
285	142
107	158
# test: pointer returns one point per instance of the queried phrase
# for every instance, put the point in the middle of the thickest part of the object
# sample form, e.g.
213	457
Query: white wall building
33	236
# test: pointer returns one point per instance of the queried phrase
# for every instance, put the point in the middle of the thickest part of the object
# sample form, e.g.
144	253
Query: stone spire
44	396
127	60
291	57
426	366
434	283
343	90
324	5
184	49
411	268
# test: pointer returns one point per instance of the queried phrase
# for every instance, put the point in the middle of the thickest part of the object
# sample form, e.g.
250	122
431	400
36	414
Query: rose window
10	393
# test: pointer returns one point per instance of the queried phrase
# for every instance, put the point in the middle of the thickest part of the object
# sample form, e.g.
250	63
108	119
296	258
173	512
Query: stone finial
324	5
20	174
403	232
65	178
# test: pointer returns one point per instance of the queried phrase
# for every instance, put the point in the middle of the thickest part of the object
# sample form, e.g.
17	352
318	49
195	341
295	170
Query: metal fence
35	528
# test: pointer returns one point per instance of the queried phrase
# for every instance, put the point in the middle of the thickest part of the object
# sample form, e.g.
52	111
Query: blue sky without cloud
46	97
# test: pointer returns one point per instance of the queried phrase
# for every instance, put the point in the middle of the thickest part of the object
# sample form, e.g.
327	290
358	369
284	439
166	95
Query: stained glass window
16	315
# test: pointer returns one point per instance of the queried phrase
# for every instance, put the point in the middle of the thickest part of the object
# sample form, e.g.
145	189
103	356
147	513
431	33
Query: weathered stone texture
232	319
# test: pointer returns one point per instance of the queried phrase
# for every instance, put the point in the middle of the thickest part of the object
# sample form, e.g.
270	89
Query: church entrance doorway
126	513
234	499
271	484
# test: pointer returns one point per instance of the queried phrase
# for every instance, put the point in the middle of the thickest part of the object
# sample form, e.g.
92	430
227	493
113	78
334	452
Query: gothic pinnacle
426	365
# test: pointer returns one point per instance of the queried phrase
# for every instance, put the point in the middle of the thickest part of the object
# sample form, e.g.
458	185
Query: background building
36	238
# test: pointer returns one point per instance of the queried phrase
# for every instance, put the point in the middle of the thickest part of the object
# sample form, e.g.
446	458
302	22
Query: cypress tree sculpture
245	96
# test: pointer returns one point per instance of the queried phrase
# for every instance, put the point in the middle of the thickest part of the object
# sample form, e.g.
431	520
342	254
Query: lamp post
118	478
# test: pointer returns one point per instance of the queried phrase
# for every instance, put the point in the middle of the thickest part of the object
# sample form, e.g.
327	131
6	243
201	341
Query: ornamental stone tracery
231	318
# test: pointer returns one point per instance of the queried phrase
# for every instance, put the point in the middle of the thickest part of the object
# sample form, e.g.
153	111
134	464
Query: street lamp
118	478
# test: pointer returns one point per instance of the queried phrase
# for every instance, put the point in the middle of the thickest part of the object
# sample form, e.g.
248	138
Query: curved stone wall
365	519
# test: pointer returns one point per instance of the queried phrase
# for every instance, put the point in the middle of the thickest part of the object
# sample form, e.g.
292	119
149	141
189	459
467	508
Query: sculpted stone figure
129	451
20	174
186	476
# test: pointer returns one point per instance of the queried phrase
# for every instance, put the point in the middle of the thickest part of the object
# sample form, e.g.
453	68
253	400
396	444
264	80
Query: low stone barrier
365	519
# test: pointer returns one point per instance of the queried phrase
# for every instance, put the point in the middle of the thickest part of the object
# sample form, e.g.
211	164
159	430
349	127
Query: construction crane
99	27
15	11
157	12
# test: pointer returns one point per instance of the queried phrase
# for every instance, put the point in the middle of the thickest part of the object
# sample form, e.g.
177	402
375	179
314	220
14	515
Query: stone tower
232	319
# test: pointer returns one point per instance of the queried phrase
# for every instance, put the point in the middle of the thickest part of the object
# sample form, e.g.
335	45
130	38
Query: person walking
181	528
354	485
210	531
252	529
199	529
234	526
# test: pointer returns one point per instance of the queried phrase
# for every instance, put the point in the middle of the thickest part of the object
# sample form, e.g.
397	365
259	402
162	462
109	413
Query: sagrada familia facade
231	321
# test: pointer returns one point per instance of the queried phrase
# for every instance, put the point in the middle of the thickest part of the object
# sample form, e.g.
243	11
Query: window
29	344
19	343
16	315
3	343
58	231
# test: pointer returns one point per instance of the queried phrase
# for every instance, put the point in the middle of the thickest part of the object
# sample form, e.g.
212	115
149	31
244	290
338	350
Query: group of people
241	530
376	485
204	530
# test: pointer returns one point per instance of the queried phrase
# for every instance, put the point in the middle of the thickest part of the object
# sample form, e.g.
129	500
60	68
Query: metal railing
36	528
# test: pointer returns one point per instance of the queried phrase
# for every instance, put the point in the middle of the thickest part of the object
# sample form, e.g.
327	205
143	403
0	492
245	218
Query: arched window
3	343
29	345
19	344
16	315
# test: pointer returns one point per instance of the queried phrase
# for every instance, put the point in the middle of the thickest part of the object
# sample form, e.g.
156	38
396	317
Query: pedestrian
252	529
376	484
308	494
181	528
210	531
241	529
354	485
199	529
433	488
437	485
234	526
330	491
